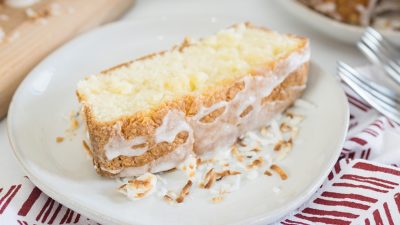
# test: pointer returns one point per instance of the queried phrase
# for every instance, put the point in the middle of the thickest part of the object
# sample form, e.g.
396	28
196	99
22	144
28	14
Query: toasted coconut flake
170	170
256	149
239	157
217	199
141	194
239	141
290	115
294	118
226	173
211	177
139	183
278	145
189	166
87	148
283	144
184	192
285	128
59	139
139	146
264	131
256	163
180	199
268	173
122	187
208	174
139	187
168	198
280	171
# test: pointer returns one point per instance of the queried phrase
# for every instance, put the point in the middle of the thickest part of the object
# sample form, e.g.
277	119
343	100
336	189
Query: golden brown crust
145	123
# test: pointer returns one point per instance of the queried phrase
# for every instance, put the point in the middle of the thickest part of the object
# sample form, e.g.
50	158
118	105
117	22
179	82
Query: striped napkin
362	188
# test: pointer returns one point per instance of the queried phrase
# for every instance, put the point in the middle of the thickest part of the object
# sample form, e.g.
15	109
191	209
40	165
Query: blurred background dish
345	20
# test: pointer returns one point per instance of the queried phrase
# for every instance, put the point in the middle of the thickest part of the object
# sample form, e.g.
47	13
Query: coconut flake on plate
140	187
218	173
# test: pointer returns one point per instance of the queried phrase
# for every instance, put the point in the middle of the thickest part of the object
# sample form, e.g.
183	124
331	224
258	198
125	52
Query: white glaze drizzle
118	145
224	130
173	123
167	162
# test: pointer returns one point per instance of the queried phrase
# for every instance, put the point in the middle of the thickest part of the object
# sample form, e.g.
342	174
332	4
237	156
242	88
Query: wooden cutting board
29	34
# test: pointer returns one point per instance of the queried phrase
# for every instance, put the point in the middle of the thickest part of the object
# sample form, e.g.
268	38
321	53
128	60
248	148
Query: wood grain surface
32	33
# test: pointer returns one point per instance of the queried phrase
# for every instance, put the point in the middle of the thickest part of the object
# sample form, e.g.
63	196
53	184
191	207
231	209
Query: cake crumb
59	139
74	123
280	171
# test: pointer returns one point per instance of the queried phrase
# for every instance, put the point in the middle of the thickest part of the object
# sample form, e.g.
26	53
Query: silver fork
381	98
382	52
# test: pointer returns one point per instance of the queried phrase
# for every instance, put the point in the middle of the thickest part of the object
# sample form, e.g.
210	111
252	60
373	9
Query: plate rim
99	217
348	27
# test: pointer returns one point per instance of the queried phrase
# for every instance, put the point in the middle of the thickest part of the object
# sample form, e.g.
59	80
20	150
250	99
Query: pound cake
150	114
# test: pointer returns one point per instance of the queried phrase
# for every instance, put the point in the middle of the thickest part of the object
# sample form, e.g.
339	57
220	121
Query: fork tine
393	73
375	45
368	52
379	39
387	93
379	44
383	54
371	51
378	91
372	100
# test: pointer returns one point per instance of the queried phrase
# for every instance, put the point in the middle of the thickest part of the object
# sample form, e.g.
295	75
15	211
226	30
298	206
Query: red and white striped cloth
363	187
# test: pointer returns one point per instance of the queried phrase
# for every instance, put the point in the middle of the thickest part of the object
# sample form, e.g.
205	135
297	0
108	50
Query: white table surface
325	51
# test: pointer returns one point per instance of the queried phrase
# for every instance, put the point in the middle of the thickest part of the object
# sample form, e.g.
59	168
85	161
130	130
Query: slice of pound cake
150	114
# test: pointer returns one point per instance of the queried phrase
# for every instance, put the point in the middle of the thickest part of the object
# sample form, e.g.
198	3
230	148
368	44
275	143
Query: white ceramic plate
341	31
45	98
